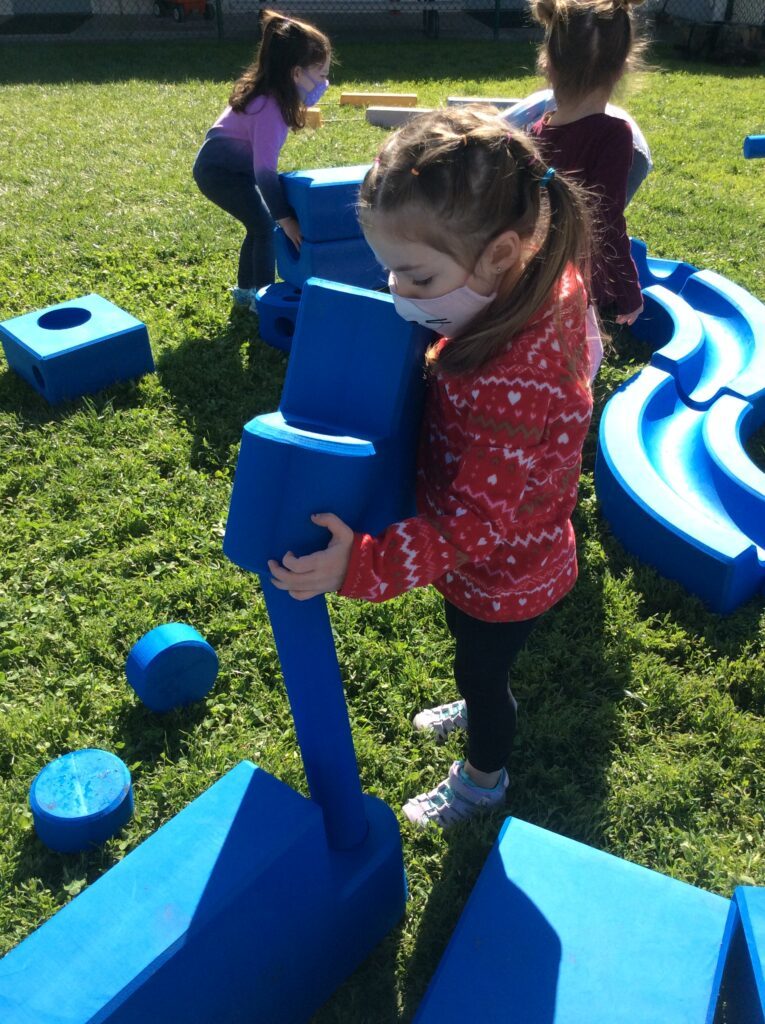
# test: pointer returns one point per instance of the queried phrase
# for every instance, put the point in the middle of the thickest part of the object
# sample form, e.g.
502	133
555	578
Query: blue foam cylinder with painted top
234	910
81	799
76	347
324	201
170	666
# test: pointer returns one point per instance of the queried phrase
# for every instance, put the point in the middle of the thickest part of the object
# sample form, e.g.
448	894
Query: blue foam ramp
347	260
235	910
324	201
670	274
556	932
76	347
277	306
741	971
678	490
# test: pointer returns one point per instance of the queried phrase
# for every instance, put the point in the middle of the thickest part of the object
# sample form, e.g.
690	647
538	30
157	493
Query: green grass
642	727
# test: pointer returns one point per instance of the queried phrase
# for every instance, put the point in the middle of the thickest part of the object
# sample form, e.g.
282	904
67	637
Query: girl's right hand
291	229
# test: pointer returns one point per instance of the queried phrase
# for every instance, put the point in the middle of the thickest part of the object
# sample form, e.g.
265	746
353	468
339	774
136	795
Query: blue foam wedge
170	666
76	347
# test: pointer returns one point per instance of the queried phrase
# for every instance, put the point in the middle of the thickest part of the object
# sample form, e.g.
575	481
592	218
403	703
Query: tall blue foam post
76	347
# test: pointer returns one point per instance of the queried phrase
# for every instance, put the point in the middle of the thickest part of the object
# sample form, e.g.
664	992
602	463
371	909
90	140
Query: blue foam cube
324	201
277	306
76	347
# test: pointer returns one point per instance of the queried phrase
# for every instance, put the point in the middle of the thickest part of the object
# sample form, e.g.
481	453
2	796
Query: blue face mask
312	96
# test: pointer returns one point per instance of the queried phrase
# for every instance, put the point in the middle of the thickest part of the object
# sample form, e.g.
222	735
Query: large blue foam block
345	436
76	347
346	260
556	932
324	201
235	910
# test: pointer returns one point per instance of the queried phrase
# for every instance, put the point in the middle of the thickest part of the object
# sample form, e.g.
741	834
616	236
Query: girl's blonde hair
588	44
286	43
456	179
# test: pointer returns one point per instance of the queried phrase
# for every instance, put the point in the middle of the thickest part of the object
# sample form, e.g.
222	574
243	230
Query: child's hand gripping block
324	201
345	435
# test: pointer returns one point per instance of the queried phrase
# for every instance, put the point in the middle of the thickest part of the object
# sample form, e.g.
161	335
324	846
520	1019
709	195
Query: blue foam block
235	910
277	306
172	665
345	436
671	274
555	932
324	201
679	491
76	347
754	146
80	800
741	969
346	260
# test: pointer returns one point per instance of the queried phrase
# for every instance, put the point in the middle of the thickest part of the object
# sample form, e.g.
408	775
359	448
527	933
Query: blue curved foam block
76	347
170	666
667	497
347	260
277	306
81	799
324	201
671	274
754	146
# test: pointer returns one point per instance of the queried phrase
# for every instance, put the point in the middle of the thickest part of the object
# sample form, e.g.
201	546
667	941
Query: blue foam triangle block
556	932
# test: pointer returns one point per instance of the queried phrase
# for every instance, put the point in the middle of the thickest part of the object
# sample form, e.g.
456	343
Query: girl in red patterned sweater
484	244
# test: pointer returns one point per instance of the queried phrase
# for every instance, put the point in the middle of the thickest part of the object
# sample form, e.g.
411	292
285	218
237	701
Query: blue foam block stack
556	932
76	347
234	910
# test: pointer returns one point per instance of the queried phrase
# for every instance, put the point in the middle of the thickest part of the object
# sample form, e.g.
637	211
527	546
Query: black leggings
484	656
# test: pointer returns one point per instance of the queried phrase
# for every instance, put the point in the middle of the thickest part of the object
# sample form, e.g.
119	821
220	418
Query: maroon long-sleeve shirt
597	152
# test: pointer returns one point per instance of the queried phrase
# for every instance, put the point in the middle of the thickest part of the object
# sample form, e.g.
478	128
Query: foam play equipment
556	932
313	117
672	475
324	200
741	968
170	666
77	347
380	99
500	102
277	306
393	117
754	146
347	260
80	800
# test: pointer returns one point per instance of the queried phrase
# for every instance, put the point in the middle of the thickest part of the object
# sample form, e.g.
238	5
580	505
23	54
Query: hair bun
546	12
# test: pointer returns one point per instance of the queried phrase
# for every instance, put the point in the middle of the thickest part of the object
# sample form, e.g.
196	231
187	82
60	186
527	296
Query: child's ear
502	253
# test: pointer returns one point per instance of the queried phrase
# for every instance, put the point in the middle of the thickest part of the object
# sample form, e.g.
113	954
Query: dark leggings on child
485	654
223	172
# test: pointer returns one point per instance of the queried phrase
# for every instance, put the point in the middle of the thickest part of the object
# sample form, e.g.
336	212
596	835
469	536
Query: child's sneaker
243	296
443	719
455	799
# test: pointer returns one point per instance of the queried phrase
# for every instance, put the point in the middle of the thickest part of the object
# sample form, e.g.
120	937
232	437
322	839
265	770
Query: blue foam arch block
754	146
234	910
81	799
655	479
277	306
346	260
76	347
324	201
671	274
170	666
556	932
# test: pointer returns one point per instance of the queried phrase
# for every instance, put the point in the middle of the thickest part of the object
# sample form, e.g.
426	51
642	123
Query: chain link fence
721	29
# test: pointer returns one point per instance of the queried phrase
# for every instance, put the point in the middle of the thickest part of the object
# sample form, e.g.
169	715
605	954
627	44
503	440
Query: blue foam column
234	910
556	932
76	347
306	647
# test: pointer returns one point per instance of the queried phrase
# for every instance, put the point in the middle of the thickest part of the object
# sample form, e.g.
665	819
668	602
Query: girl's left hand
629	318
323	572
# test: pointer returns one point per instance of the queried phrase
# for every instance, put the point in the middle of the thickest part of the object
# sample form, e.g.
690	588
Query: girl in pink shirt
236	168
484	244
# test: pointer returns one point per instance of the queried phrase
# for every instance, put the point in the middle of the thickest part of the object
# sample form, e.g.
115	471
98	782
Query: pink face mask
446	314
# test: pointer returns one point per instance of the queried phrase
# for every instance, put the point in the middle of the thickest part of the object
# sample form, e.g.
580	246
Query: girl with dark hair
487	246
236	168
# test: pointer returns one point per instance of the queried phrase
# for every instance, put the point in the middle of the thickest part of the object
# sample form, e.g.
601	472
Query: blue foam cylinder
172	665
234	910
80	800
754	146
76	347
324	201
345	260
277	306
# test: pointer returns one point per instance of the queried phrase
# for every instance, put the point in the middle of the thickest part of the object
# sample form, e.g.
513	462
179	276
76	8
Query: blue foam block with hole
345	260
170	666
277	306
556	932
81	799
76	347
234	910
324	201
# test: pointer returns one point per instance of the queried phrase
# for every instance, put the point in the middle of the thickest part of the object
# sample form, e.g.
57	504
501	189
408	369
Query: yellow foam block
380	99
313	117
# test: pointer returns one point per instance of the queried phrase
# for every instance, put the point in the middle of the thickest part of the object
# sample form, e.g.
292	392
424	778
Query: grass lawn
642	714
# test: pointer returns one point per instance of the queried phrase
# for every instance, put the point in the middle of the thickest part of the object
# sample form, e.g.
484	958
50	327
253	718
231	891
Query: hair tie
547	177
